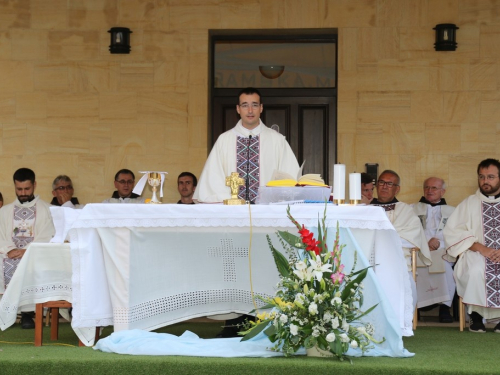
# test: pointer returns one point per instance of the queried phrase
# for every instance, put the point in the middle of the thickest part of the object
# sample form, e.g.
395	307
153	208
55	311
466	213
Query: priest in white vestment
473	234
251	149
25	220
406	223
435	283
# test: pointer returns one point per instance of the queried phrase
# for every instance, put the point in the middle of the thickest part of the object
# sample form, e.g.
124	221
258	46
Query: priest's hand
434	244
487	252
16	253
63	197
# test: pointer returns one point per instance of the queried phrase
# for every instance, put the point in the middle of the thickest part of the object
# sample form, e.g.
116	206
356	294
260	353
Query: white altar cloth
43	274
147	266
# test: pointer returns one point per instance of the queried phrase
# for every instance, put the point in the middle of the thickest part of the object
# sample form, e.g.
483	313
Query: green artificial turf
439	350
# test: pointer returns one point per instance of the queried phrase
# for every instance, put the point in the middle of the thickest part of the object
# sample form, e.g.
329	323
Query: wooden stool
53	310
461	313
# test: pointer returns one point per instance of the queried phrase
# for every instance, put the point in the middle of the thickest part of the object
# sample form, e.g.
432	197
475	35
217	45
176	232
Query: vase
317	352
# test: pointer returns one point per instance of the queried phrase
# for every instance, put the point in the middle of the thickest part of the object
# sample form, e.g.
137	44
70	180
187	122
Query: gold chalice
154	179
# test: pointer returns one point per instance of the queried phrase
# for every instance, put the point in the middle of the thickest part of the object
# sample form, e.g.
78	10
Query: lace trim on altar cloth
407	329
62	291
228	222
167	304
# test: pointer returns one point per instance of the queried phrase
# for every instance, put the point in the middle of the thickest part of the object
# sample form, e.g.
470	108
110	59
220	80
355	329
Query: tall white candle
339	181
355	186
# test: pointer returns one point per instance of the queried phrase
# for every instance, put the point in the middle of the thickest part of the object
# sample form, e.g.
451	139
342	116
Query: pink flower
338	277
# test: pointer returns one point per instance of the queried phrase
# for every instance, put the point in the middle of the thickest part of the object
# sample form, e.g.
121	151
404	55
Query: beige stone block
343	13
384	106
426	106
348	147
94	184
165	46
369	138
407	173
95	76
347	111
165	106
73	45
50	165
469	134
417	43
198	99
483	75
136	76
208	14
128	140
155	139
468	41
29	44
14	139
431	165
443	11
271	14
5	46
435	134
463	170
176	140
197	127
16	76
91	17
347	57
100	139
367	51
461	106
74	138
52	76
389	12
478	12
8	105
68	108
176	75
198	72
490	106
42	138
49	14
405	138
117	106
367	77
453	76
490	41
238	13
148	14
397	75
14	14
32	105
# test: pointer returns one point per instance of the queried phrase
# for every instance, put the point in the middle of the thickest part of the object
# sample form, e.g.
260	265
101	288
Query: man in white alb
22	222
473	233
405	221
251	149
435	283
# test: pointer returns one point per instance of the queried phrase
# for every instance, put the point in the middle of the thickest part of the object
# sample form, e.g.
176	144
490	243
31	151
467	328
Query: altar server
251	149
404	220
435	284
25	220
473	233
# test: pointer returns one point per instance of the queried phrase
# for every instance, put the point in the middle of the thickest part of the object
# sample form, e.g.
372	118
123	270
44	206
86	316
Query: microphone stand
247	195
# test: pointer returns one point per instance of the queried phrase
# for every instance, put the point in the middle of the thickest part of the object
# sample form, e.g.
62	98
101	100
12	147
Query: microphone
247	195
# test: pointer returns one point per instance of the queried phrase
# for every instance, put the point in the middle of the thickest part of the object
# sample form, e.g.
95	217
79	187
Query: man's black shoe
27	321
444	314
476	323
497	328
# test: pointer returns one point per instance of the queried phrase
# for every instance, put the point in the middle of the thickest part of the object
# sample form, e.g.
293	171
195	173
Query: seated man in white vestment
405	221
25	220
251	149
124	184
62	190
473	234
435	283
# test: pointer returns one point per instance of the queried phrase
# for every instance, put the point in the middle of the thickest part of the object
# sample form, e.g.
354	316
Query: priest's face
387	187
488	180
25	190
433	189
124	185
249	109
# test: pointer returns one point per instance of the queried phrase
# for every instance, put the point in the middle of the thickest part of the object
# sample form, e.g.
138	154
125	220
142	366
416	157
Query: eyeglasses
61	188
490	177
125	182
253	105
386	183
432	188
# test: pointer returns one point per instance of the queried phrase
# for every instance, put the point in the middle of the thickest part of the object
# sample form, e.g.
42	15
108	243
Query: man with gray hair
62	190
435	283
403	218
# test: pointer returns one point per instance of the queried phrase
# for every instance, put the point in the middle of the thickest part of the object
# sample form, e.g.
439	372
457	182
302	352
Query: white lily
317	268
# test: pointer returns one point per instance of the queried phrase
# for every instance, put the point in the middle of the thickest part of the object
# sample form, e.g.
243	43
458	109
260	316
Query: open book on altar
280	178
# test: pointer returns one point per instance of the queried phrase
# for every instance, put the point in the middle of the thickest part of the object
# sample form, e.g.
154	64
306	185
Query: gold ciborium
154	179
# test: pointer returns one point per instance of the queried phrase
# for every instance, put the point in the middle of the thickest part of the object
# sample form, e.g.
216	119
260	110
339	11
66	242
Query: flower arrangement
317	304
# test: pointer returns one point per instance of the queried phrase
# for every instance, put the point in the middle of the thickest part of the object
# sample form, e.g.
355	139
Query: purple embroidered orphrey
387	207
491	230
247	159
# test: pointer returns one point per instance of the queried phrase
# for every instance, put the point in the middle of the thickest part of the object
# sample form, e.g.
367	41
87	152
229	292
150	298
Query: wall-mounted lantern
445	37
120	40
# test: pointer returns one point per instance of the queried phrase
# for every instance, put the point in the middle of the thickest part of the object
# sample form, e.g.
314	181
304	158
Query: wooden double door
307	122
